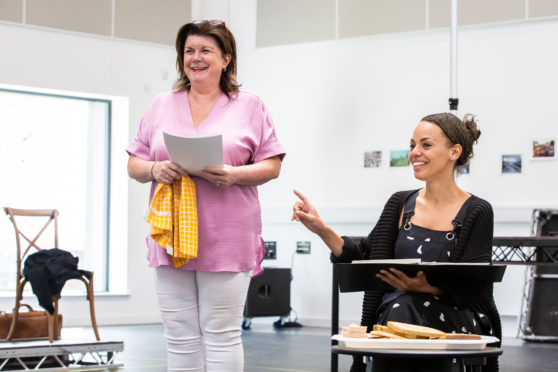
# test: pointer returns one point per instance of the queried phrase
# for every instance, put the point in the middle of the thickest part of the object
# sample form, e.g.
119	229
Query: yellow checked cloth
173	215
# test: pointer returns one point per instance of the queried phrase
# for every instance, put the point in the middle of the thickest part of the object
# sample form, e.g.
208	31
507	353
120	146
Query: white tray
424	344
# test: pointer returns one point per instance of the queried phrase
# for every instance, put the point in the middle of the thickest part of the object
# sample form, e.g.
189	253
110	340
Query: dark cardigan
474	244
48	270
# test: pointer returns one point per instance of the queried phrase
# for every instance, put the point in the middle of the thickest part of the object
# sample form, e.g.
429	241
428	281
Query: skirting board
116	319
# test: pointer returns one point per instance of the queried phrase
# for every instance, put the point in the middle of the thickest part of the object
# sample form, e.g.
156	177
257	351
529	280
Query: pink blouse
229	237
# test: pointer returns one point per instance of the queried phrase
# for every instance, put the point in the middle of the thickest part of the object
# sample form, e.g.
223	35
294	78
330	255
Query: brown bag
31	324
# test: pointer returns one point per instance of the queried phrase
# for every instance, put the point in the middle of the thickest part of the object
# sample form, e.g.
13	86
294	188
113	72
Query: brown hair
225	40
463	132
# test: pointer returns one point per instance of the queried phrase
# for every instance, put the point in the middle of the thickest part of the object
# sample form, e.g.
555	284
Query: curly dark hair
463	132
225	40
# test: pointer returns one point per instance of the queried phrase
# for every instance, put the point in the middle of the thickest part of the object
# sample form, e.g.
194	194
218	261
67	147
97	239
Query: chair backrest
48	214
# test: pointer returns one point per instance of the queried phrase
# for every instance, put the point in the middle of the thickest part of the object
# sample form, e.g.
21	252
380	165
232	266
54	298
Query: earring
225	69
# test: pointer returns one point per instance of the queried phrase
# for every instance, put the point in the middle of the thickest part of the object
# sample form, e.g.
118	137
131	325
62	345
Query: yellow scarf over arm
173	215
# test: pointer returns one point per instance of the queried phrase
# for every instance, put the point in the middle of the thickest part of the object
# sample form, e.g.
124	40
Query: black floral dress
423	308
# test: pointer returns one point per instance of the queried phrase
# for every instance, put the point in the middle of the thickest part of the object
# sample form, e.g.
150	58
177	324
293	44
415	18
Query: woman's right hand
167	172
305	212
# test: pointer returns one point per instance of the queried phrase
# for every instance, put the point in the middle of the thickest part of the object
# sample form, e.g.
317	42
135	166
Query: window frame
108	144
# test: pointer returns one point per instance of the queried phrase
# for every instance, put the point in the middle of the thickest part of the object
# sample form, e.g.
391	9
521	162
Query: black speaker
269	294
547	225
543	313
542	307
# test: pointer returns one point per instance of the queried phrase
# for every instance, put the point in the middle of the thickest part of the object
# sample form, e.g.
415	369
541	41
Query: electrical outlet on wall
303	247
270	250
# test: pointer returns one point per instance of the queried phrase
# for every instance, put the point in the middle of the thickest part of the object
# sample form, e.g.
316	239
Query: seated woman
439	222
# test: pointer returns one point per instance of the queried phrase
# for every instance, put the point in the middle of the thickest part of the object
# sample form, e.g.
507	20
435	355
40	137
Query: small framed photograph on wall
543	149
372	159
511	163
399	158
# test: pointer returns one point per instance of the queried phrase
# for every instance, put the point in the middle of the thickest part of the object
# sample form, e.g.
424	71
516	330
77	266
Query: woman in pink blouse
204	299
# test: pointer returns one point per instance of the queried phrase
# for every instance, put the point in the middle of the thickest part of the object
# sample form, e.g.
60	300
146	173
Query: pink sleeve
269	145
140	146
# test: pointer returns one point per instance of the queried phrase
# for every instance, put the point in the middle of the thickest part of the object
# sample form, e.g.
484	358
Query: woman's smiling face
203	60
432	153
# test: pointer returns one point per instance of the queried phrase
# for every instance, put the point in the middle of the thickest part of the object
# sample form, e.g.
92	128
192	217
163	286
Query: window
56	154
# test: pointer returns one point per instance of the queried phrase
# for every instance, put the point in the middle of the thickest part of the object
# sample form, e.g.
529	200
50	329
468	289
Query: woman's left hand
220	176
400	281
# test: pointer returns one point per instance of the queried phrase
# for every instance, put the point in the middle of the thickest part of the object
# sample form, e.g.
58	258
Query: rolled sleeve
140	146
269	145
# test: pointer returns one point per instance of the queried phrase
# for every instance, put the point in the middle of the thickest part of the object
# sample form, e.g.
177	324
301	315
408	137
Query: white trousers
198	305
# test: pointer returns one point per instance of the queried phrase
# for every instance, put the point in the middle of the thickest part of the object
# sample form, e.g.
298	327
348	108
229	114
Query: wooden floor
299	350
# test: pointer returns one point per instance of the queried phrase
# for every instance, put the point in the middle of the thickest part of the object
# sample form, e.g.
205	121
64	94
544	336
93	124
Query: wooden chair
86	277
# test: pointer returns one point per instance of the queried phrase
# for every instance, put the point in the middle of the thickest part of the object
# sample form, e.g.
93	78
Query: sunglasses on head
212	22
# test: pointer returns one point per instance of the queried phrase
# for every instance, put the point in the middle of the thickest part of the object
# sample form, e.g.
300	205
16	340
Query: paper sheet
195	153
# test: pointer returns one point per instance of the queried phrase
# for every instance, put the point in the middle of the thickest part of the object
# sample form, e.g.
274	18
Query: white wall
37	57
331	101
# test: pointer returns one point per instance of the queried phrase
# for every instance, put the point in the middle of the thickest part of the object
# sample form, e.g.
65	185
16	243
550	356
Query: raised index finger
301	196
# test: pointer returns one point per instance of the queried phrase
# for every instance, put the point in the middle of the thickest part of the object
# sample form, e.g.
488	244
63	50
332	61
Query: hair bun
463	132
471	126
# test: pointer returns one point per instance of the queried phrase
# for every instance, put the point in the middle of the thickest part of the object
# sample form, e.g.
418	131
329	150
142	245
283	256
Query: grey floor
298	350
